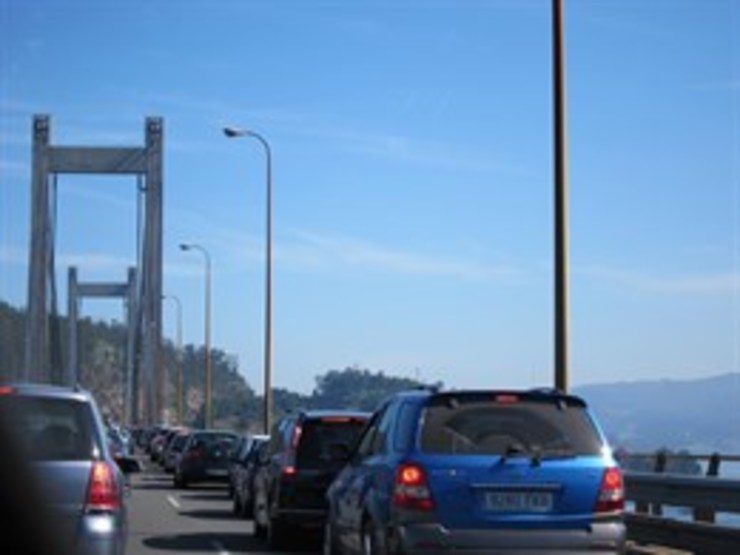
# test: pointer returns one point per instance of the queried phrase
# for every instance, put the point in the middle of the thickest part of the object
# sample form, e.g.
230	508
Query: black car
205	457
74	484
243	469
304	454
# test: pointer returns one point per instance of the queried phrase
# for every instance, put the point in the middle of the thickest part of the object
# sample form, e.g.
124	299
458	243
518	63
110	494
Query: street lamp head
184	247
234	132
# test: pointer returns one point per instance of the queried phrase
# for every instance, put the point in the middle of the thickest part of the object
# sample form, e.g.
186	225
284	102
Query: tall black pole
561	198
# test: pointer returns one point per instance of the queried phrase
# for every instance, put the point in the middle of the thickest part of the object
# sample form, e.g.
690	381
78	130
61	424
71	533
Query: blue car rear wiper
517	449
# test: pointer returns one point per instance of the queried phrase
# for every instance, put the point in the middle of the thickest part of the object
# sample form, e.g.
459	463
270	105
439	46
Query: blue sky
412	177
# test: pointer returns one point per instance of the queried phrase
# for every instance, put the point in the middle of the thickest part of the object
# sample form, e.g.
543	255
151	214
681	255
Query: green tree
359	389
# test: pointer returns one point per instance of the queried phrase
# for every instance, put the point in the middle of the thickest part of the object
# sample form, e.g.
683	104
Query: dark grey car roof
50	390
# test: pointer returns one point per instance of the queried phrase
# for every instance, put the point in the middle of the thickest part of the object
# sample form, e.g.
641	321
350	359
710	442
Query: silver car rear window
51	429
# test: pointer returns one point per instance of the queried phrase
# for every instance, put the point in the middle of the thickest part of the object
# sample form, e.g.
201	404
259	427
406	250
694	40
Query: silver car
59	440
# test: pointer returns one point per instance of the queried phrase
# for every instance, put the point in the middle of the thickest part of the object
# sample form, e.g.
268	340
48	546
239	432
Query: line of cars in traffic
428	472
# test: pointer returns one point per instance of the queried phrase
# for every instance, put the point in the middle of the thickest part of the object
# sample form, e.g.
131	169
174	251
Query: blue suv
478	472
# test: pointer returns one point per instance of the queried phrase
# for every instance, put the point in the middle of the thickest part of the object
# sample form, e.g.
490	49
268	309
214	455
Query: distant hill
701	415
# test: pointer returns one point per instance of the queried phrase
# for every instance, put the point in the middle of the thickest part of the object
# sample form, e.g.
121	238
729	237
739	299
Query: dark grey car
204	458
79	487
244	467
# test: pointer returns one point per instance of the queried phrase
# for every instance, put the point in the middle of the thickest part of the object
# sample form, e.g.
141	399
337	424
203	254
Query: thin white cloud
215	114
12	255
320	251
719	283
386	145
409	150
300	250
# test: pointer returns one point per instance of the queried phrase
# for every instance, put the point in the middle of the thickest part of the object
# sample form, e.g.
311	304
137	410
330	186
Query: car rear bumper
102	534
201	474
309	519
607	538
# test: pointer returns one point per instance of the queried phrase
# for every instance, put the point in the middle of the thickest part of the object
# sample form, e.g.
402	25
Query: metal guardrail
704	496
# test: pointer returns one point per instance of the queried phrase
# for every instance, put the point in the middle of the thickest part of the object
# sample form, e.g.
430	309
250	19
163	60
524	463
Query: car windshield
525	427
50	429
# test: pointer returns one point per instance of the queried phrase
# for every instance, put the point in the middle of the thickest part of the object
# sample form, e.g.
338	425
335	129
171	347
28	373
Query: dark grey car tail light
103	493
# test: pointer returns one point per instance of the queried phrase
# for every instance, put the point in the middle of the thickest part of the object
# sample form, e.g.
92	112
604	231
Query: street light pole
561	196
233	132
207	318
178	384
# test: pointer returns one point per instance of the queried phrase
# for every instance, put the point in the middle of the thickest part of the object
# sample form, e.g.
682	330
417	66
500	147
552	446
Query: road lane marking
173	502
219	548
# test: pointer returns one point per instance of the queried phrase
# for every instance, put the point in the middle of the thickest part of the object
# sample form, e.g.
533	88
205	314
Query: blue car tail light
611	492
411	488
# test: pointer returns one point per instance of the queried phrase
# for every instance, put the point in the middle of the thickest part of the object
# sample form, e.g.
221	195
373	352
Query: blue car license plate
518	501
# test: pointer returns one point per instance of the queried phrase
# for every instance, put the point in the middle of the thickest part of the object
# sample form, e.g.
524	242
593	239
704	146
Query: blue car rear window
478	426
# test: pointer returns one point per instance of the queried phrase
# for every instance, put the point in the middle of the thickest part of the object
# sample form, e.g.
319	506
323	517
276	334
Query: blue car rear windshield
524	427
51	429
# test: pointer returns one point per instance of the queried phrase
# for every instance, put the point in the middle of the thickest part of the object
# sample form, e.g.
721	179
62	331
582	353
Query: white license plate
217	472
518	501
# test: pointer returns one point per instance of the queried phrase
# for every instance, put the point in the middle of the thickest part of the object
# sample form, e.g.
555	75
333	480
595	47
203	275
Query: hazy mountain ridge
701	415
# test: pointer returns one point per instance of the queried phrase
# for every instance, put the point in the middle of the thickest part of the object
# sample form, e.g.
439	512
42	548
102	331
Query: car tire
277	533
179	481
237	505
370	543
247	509
259	531
329	543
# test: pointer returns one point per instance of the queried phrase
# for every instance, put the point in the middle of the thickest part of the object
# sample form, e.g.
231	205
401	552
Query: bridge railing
680	510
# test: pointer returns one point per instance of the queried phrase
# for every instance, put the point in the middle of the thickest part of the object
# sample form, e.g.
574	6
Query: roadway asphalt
199	520
193	521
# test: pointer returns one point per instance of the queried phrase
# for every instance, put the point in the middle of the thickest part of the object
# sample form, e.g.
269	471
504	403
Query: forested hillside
700	415
235	403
